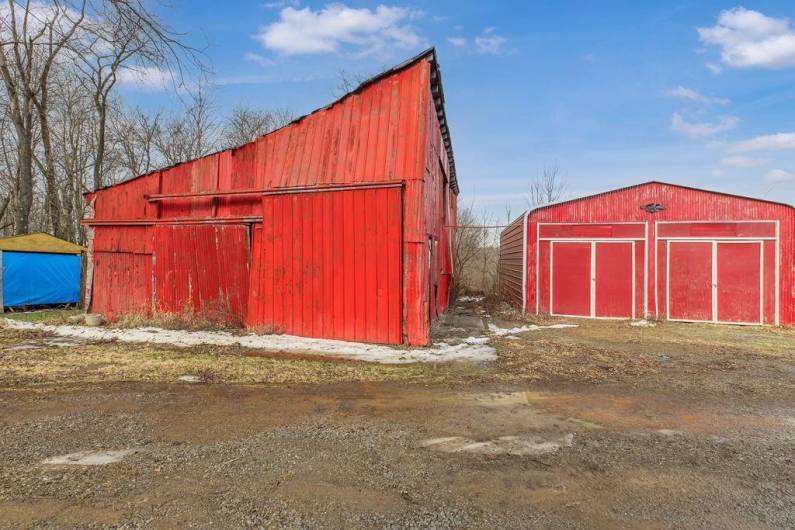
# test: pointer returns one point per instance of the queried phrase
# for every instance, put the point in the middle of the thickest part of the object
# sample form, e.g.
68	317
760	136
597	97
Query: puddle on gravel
504	445
89	458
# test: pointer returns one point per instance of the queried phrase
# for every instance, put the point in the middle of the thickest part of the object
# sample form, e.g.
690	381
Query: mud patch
41	344
89	458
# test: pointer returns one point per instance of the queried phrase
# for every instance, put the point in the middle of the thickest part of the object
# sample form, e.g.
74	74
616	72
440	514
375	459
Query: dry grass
113	361
690	358
189	319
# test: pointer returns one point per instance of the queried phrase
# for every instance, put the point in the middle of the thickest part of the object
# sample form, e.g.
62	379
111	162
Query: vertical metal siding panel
370	261
274	284
338	268
307	261
395	232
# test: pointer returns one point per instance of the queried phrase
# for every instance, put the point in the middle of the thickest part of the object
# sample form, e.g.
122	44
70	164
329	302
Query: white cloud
702	129
489	42
281	4
714	68
148	79
306	31
779	176
458	42
694	95
750	39
767	142
257	59
742	161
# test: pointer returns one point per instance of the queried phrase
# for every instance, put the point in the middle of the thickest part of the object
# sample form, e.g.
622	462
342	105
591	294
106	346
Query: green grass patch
45	316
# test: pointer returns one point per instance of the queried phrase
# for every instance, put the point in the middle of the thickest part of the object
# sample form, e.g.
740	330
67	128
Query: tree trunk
24	186
102	113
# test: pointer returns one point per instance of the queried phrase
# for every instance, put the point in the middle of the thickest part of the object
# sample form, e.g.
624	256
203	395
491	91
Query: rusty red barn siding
688	214
390	131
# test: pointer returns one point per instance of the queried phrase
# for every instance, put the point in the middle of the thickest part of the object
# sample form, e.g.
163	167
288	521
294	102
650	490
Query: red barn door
715	281
690	280
739	284
571	279
613	275
593	279
328	264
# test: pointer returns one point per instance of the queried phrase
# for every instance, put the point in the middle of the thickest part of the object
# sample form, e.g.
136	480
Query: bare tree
244	124
190	135
134	135
124	37
34	37
548	187
348	82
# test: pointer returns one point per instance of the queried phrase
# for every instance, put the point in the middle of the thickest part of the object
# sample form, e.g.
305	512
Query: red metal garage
654	250
332	226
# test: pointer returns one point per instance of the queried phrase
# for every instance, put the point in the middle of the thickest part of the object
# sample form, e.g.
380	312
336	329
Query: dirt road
600	426
377	455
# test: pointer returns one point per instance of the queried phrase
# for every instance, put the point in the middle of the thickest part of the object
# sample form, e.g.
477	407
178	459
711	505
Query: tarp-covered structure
39	269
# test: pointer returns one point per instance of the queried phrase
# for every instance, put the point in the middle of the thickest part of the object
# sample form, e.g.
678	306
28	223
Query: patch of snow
508	445
88	458
498	331
642	324
476	351
466	299
512	337
670	432
477	340
190	379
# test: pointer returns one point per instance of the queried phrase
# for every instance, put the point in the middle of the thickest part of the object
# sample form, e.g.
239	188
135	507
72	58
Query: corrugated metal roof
39	242
648	183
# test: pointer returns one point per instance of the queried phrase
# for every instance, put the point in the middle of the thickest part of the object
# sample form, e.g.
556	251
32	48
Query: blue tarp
35	278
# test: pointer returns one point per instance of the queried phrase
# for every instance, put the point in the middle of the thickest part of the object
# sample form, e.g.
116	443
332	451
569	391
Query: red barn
333	226
657	250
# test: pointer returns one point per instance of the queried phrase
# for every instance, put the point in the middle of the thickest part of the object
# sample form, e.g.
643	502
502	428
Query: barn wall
388	132
680	204
328	265
438	211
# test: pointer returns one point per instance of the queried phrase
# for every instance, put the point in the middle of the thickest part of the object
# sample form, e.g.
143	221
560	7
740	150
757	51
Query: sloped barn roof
437	93
39	242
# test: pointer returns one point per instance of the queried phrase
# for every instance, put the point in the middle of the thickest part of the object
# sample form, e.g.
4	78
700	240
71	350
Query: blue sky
612	93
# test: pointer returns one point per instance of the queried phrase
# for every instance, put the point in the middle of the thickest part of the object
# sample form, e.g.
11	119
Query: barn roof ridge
436	90
647	183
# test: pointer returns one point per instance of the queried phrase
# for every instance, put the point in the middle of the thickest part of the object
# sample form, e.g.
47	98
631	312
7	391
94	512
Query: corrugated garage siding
681	204
328	265
511	261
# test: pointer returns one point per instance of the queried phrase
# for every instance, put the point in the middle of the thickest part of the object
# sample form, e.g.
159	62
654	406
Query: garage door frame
715	240
593	240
